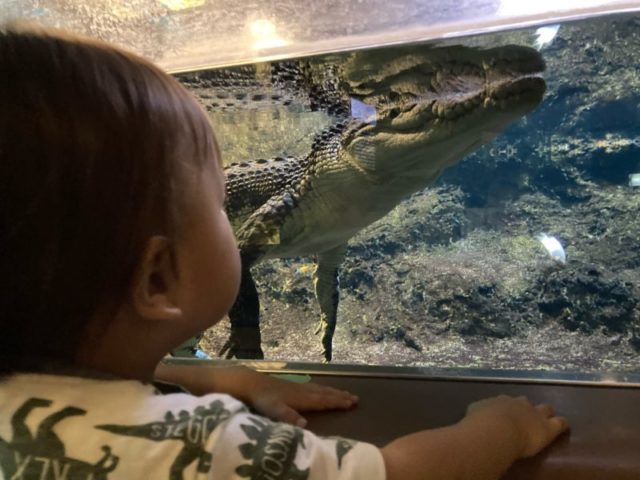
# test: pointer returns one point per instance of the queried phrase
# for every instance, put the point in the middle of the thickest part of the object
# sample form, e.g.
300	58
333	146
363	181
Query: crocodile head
424	109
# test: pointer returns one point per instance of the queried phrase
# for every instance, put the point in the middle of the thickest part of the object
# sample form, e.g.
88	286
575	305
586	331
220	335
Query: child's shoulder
66	422
100	396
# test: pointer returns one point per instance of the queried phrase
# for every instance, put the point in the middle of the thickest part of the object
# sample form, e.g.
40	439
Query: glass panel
185	34
523	254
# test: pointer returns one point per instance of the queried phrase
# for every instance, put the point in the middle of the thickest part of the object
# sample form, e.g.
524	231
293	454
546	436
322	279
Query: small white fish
553	247
634	180
546	35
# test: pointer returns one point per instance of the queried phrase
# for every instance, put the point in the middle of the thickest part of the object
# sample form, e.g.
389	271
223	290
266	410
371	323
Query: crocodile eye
394	96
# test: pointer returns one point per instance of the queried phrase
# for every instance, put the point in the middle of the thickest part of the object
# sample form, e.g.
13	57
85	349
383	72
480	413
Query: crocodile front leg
326	283
244	340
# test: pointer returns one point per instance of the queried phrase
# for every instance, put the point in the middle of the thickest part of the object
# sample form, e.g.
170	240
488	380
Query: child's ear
155	285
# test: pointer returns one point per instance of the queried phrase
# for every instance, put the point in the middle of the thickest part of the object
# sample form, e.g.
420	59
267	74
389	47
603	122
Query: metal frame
608	379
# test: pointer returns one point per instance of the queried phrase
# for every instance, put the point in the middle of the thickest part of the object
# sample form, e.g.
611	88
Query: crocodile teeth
459	109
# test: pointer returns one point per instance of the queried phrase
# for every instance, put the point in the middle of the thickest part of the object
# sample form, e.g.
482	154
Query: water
458	274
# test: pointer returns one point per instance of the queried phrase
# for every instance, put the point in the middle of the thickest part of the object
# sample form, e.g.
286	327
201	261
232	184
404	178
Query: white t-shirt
74	428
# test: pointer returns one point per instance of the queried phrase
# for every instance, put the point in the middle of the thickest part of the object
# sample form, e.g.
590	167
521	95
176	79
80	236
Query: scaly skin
433	106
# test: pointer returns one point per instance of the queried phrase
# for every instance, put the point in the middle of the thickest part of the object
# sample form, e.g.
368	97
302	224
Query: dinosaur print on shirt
191	428
42	456
273	455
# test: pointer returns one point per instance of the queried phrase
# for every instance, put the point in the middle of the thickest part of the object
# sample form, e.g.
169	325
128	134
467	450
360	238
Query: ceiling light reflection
510	8
181	4
265	35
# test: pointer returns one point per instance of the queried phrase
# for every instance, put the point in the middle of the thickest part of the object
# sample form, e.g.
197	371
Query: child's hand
282	400
273	397
535	426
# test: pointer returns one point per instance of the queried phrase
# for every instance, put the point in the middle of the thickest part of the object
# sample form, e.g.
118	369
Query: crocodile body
419	110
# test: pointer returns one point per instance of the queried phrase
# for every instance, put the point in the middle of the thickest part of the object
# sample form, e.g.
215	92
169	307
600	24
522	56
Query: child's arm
275	398
482	446
495	432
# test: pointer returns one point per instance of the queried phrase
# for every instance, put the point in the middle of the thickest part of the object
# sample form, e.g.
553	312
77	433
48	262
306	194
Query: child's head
102	161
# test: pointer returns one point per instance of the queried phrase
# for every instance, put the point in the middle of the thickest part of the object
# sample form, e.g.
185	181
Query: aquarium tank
449	185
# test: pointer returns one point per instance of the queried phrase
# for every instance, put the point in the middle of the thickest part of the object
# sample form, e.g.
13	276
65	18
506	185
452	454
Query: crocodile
402	115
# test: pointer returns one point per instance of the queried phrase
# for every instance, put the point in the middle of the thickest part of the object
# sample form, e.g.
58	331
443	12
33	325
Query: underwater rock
583	298
397	333
354	278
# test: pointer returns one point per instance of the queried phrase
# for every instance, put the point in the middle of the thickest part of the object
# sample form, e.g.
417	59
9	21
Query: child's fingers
555	425
314	396
334	395
320	398
558	425
546	409
327	390
281	412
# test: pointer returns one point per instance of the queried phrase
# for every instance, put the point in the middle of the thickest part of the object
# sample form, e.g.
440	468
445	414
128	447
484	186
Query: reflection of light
265	36
364	112
264	365
609	378
181	4
546	35
634	180
201	354
518	7
553	247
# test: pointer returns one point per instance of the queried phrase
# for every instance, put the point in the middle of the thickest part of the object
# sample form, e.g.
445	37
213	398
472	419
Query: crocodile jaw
431	114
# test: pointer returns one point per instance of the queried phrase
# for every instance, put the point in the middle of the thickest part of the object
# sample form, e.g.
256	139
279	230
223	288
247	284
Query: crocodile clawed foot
327	338
231	350
327	351
242	343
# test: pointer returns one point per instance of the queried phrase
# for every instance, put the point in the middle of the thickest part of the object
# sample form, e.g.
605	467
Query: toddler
114	249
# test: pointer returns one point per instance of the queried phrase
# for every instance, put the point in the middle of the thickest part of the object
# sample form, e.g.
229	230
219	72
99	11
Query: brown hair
94	145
